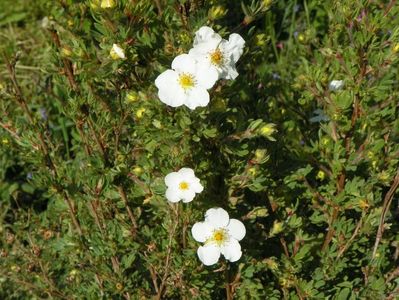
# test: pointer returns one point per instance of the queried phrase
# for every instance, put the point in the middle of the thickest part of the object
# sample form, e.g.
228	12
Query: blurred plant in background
311	171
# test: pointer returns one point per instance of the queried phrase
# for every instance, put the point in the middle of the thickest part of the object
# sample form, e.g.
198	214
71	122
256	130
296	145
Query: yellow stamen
183	185
186	81
216	57
219	237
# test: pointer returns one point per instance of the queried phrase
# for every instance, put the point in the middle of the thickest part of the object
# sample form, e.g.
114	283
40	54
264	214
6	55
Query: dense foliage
311	170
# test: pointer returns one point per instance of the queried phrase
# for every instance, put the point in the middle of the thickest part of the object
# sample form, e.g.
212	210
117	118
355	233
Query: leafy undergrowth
309	166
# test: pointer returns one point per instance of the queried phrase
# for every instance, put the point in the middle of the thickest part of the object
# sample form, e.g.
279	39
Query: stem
229	293
172	232
131	216
385	208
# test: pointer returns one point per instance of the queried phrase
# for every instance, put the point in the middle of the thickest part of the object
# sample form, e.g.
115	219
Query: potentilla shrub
199	149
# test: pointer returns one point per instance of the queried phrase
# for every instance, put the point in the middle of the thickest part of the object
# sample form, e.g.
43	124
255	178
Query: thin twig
385	208
131	216
172	232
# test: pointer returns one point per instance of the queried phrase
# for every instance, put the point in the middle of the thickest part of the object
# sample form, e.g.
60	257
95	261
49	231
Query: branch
385	208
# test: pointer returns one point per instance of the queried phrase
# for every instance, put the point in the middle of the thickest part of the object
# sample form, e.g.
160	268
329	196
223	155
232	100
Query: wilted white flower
220	235
217	54
186	84
182	185
336	85
117	52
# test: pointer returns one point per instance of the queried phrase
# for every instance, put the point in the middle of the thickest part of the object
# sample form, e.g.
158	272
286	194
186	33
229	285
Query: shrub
308	164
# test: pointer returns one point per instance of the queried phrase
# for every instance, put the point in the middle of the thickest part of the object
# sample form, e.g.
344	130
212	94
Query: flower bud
140	112
108	4
131	97
268	130
260	39
321	175
260	156
252	171
117	52
395	48
277	228
66	51
217	12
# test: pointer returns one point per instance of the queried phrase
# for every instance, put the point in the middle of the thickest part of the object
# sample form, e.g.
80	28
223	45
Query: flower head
186	84
216	54
220	235
182	185
336	85
117	52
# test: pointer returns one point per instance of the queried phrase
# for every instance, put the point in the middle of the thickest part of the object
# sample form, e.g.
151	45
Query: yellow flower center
186	81
219	237
183	185
216	57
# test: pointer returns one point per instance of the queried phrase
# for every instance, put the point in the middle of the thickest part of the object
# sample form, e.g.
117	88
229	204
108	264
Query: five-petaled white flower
182	185
336	85
216	54
186	84
220	235
117	52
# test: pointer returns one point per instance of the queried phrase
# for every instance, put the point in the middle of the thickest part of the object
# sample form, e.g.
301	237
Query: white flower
336	85
220	235
217	54
182	185
186	84
117	52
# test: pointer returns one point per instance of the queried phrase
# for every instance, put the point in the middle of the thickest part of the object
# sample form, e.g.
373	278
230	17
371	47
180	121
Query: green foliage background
86	143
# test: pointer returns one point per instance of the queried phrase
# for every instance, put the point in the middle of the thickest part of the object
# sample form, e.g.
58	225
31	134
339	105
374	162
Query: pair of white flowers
193	74
219	233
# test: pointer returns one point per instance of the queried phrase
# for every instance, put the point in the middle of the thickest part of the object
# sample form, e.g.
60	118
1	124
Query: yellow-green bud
66	51
252	171
140	112
137	170
217	12
277	228
108	4
395	48
260	39
321	175
268	130
131	97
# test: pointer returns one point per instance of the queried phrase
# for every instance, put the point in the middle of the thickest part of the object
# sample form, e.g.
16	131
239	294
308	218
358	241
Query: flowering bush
199	149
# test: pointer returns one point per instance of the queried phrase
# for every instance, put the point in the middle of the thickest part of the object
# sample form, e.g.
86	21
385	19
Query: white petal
186	172
184	63
174	96
165	78
232	250
207	75
229	72
187	195
197	96
169	91
172	179
217	217
207	37
236	46
236	229
208	254
173	195
196	185
201	231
